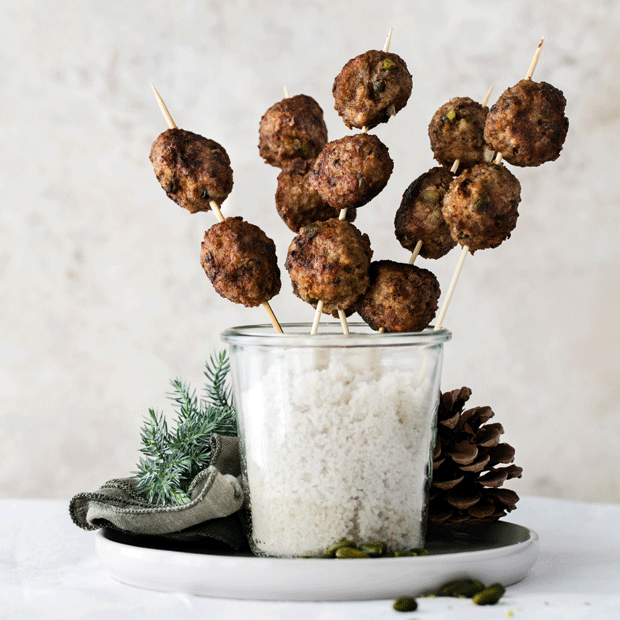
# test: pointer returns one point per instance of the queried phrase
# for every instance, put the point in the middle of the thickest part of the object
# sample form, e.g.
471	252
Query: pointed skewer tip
534	62
386	47
487	97
163	108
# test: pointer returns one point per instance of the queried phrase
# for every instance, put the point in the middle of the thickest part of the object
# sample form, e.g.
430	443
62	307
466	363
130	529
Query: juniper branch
173	457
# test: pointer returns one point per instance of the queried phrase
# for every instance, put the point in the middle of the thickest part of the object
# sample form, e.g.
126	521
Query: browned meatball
329	261
400	298
480	206
298	204
527	123
240	260
351	171
193	170
456	132
371	88
419	217
292	128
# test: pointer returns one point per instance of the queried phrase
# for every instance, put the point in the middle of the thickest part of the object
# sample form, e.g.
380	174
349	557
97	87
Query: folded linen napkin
210	516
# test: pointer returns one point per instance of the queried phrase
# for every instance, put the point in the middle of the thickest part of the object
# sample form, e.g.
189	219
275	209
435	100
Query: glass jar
336	434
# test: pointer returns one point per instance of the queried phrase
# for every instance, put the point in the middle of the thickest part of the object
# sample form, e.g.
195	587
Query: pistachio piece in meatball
480	206
419	217
371	88
292	128
527	124
351	171
400	298
240	260
329	261
297	202
193	170
456	131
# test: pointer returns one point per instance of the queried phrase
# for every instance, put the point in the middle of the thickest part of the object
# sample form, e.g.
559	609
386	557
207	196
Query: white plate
499	552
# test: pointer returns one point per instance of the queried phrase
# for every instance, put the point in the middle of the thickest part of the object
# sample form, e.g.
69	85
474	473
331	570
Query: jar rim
329	335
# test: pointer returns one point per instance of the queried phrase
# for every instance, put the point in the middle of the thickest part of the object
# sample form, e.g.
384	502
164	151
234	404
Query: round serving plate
498	552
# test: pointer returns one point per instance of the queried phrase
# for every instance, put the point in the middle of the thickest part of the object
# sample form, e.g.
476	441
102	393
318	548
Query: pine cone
466	477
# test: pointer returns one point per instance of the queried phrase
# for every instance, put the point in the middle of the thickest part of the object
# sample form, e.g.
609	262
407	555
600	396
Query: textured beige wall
102	296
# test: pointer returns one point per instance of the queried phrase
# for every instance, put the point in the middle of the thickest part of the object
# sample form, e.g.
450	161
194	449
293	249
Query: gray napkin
215	493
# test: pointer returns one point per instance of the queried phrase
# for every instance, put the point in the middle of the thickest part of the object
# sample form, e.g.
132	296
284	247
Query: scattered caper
373	549
409	553
468	589
404	603
451	588
331	550
490	595
350	552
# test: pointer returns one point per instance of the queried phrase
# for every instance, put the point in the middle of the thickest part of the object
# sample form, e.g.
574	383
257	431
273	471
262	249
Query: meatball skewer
213	204
403	216
341	313
386	49
343	216
465	250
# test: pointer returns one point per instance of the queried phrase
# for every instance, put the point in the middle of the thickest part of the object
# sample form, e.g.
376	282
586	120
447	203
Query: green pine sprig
173	457
218	390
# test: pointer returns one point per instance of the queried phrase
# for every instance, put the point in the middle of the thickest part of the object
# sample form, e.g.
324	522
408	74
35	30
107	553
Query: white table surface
48	569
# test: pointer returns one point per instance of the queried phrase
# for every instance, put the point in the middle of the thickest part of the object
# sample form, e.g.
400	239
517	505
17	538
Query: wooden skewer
416	251
455	277
530	71
317	318
386	47
164	109
465	250
214	206
485	101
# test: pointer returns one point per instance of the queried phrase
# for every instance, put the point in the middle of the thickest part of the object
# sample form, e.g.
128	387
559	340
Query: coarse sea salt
336	449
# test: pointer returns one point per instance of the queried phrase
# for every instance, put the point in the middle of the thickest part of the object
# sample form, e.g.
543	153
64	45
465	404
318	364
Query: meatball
351	171
419	217
329	261
192	170
371	88
456	131
240	260
400	298
527	123
292	128
480	206
297	203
